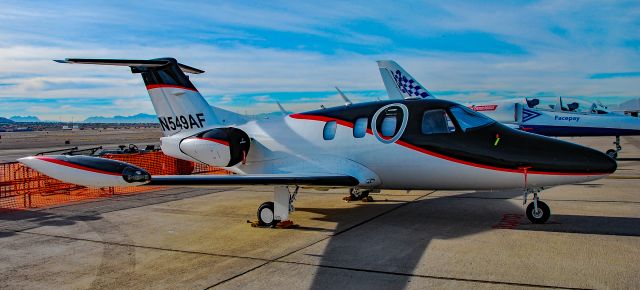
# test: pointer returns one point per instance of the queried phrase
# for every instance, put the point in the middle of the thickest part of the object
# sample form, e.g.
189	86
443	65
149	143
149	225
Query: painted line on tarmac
319	241
141	246
493	282
268	261
278	260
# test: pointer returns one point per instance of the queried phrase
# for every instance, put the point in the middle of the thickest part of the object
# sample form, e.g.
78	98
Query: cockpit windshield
468	119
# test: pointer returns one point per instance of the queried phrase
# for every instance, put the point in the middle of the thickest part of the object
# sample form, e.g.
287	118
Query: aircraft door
389	122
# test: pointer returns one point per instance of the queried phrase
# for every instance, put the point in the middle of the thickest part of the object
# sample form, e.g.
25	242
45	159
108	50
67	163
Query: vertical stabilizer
178	104
399	84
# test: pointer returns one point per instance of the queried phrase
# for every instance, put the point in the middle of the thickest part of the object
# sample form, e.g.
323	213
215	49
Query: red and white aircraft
413	143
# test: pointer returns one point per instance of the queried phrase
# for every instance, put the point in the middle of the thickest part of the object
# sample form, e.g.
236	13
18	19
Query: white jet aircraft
557	119
409	144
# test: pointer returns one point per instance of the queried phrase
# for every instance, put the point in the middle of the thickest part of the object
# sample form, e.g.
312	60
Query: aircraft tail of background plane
178	104
399	83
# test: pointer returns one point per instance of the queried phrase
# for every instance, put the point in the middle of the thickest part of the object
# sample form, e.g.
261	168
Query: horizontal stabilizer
133	63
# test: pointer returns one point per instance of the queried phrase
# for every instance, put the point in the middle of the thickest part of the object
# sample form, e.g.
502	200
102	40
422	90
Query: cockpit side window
469	119
436	121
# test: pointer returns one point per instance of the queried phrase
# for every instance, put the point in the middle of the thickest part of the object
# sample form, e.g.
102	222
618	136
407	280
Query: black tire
612	153
540	217
266	215
363	194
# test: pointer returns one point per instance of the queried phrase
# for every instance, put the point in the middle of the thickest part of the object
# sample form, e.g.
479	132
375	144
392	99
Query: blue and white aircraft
392	144
558	118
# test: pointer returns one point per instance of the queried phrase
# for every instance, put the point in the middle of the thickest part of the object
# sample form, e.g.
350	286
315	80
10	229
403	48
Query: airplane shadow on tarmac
393	243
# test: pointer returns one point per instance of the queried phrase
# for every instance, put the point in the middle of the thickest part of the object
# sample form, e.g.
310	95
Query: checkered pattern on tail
409	86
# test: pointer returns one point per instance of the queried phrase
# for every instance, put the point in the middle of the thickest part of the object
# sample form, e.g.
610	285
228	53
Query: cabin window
469	119
388	127
329	131
436	122
360	128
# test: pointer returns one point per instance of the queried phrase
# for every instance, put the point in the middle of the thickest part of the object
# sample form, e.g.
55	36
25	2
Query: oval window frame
403	126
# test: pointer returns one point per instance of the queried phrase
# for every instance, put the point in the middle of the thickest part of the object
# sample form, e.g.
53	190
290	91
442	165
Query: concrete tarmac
188	238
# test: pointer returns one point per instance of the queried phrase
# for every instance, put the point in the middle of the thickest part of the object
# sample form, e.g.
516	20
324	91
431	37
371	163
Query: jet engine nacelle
222	147
88	170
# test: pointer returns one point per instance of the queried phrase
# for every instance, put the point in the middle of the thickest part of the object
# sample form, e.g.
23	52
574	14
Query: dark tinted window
468	119
436	121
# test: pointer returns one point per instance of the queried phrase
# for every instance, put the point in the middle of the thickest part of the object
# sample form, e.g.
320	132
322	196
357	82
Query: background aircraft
392	144
559	118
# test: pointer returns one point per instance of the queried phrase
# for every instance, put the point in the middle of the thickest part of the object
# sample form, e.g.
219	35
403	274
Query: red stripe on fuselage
438	155
161	86
76	166
225	143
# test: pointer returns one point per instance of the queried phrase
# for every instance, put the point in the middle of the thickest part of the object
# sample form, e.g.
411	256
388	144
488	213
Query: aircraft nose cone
571	157
551	155
600	162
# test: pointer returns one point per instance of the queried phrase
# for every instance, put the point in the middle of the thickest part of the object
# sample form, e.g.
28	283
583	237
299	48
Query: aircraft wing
262	179
100	172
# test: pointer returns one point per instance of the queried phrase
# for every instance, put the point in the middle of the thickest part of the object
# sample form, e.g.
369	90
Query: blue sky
256	52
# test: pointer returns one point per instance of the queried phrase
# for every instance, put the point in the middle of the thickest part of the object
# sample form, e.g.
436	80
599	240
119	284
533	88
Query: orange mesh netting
22	187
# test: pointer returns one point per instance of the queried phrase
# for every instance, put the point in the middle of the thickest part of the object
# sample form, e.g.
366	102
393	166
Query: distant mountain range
31	119
5	121
139	118
630	105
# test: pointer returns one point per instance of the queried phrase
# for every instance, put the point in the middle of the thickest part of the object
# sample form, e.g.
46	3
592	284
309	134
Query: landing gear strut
537	211
276	213
613	153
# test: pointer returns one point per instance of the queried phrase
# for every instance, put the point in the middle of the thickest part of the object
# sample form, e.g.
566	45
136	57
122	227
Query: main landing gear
276	213
613	153
358	194
537	211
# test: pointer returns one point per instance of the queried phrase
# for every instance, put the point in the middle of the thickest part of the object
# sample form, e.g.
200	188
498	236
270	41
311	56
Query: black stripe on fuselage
514	151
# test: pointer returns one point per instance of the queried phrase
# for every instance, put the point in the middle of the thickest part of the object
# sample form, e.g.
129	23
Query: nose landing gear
537	211
613	153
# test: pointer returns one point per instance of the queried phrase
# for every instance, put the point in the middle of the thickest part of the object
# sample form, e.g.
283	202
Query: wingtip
60	60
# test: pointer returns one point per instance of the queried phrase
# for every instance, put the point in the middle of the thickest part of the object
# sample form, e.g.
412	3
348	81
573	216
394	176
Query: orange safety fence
22	187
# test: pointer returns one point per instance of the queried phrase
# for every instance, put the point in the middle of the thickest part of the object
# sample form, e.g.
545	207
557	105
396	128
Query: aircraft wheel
541	216
363	194
612	153
266	216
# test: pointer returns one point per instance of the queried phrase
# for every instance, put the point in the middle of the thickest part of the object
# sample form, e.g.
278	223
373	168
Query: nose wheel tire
266	214
539	216
612	153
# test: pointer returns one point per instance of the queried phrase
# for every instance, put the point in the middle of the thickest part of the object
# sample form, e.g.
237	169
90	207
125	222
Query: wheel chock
281	225
348	198
286	225
368	199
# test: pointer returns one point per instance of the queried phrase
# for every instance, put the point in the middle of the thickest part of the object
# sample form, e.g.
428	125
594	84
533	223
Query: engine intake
224	147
